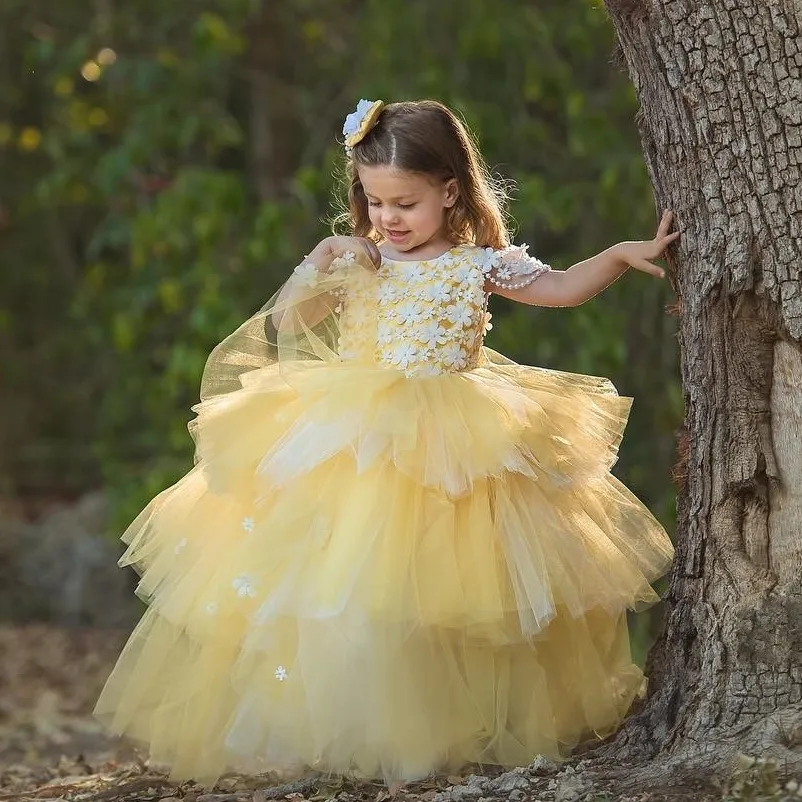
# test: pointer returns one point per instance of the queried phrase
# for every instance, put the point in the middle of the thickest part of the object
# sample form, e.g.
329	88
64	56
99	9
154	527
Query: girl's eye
406	205
373	203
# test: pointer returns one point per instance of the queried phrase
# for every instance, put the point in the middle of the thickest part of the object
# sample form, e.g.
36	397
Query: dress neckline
451	250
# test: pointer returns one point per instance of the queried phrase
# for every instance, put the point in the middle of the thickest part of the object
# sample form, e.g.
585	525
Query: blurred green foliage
166	165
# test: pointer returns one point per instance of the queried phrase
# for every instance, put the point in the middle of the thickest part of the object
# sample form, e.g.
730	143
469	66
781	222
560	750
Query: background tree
720	90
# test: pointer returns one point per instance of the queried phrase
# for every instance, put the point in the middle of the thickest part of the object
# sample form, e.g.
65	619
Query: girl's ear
452	192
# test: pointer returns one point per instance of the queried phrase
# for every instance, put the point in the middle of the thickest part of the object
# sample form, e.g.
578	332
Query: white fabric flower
281	673
408	312
387	293
413	272
211	608
307	274
453	355
463	272
475	295
438	291
247	524
402	354
385	333
486	324
432	334
348	257
460	314
244	586
486	259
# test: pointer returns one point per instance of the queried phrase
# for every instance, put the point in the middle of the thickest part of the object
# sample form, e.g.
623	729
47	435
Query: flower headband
360	121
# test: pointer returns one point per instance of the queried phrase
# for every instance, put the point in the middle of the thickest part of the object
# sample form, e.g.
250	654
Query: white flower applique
347	258
438	292
341	262
460	314
454	356
462	272
486	259
475	295
447	259
281	673
403	354
413	272
211	608
244	586
486	324
409	312
432	334
387	294
247	524
385	333
307	274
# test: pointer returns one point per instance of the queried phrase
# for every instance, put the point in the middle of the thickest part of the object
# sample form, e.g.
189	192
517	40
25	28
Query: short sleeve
512	268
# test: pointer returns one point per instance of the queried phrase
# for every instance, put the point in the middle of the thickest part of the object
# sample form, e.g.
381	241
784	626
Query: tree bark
720	89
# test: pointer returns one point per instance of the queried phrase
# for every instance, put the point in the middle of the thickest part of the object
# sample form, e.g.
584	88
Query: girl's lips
397	235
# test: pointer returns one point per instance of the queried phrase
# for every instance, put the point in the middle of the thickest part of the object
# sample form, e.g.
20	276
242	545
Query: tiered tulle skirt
388	576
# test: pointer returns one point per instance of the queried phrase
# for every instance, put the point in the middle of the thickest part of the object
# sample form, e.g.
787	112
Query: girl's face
407	209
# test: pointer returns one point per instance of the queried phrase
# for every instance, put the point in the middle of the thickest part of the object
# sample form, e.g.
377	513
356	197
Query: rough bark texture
720	89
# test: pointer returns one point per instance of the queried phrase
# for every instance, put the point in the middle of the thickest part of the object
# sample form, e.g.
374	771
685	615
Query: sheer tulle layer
386	575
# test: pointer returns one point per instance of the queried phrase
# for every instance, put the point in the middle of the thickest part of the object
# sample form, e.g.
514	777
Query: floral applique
244	586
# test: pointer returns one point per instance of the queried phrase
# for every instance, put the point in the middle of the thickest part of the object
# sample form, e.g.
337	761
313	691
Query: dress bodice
423	317
429	317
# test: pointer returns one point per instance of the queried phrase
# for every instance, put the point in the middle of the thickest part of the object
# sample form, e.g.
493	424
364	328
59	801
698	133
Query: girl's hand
337	246
640	254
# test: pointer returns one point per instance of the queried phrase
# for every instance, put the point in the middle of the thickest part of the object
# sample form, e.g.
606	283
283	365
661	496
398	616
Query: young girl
398	552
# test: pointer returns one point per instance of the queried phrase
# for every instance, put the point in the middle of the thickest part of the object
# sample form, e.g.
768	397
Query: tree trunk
721	125
273	50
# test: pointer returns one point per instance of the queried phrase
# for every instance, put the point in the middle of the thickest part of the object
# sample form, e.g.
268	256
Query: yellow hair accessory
360	121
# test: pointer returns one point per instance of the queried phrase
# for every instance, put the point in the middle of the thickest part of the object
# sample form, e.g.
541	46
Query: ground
52	749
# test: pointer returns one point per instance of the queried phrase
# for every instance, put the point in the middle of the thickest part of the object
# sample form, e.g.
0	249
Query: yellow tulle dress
397	553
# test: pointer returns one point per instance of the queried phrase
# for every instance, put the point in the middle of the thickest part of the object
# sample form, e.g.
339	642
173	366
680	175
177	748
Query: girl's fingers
661	243
665	224
372	251
648	267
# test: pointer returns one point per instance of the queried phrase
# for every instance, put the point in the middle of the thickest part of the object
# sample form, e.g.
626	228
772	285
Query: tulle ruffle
375	574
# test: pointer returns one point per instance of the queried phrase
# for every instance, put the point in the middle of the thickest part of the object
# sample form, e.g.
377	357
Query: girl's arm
586	279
